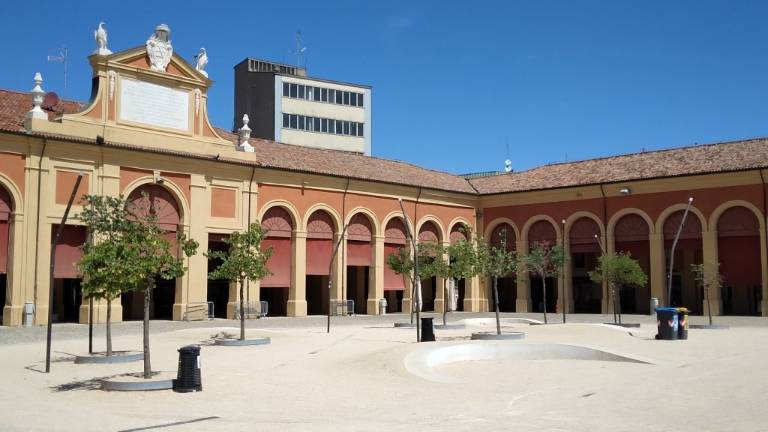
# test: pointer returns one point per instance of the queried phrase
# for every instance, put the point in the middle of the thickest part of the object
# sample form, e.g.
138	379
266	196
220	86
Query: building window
323	125
317	124
286	89
294	121
316	94
353	99
360	129
346	98
301	122
294	90
286	120
353	127
301	91
346	128
360	99
324	95
339	97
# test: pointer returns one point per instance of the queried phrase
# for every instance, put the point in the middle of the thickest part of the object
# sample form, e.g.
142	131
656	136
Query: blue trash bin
667	323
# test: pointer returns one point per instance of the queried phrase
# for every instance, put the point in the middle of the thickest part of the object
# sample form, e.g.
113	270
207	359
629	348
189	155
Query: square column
658	277
297	293
195	281
523	301
376	276
710	258
473	300
764	273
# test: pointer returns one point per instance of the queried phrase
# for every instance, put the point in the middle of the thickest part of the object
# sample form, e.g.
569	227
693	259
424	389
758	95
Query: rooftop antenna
61	58
507	161
300	50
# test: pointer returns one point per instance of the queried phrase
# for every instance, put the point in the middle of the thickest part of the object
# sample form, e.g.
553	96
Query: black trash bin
427	330
682	323
188	378
667	323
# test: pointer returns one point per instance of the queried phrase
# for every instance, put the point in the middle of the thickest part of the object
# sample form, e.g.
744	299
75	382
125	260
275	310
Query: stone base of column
179	310
41	315
523	305
12	315
438	305
764	307
372	306
473	305
406	305
297	308
231	308
100	312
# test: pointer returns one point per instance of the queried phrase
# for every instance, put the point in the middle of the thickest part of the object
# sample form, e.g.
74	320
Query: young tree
708	275
402	264
494	262
243	260
155	257
106	262
433	263
462	262
543	261
618	270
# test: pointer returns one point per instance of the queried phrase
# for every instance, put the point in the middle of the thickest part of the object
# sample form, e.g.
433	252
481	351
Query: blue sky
455	82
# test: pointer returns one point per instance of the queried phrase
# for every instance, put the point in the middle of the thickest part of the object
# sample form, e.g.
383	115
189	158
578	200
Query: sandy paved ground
355	379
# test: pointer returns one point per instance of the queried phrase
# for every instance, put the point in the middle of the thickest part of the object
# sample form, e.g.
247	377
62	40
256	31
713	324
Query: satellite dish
508	165
50	100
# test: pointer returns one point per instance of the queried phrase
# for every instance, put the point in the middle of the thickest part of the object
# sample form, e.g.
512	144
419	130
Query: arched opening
631	236
394	284
67	295
688	251
162	203
584	250
274	288
738	248
503	235
6	207
218	289
428	233
320	229
459	233
542	232
359	259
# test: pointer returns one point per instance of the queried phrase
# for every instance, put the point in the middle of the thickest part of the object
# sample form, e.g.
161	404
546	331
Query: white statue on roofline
100	36
159	48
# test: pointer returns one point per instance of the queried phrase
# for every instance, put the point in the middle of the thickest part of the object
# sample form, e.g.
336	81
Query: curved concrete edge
624	325
450	326
243	342
151	384
494	336
102	358
709	327
422	361
404	325
482	322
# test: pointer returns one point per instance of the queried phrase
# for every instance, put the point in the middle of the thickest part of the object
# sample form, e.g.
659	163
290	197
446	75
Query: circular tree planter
709	327
404	325
116	357
625	325
450	326
242	342
495	336
136	382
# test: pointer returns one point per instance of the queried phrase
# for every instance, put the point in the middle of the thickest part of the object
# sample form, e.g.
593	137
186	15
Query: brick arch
277	222
6	208
6	203
429	232
161	201
691	228
459	232
506	232
360	228
320	225
542	231
395	231
631	227
583	230
738	221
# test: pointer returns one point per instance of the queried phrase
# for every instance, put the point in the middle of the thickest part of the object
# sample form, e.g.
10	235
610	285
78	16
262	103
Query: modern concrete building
288	106
146	129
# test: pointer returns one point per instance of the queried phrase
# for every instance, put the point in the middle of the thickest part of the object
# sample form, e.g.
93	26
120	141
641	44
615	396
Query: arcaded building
146	129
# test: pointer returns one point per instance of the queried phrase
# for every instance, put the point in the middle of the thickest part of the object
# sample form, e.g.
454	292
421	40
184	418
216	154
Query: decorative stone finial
245	135
37	100
159	48
100	35
202	61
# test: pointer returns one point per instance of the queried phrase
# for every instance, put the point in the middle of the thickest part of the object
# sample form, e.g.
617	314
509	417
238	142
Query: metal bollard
654	305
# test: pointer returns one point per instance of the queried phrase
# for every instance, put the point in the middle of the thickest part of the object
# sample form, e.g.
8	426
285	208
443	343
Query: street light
562	269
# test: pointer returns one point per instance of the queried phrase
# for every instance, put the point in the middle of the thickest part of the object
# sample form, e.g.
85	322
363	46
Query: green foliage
543	260
108	261
494	261
432	261
402	262
463	260
244	258
619	269
708	275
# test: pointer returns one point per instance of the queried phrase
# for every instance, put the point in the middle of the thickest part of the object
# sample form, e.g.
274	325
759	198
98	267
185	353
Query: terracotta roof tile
701	159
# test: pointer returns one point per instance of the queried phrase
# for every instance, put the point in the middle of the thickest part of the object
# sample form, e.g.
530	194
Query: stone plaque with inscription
154	105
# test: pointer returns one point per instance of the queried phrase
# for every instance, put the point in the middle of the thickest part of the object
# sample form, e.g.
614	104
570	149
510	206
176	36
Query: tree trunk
242	312
612	293
709	306
618	303
109	327
147	298
544	296
496	304
445	299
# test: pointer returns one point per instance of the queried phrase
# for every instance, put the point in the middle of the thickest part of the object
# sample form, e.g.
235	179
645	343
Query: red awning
319	252
68	252
279	263
392	280
358	253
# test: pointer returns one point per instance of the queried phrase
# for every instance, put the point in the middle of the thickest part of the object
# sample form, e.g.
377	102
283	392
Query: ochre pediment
137	58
